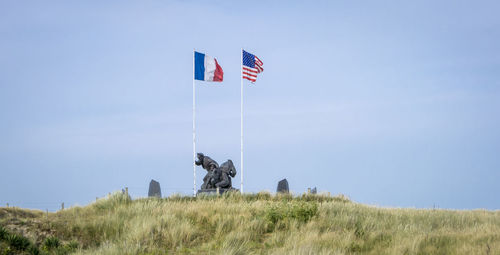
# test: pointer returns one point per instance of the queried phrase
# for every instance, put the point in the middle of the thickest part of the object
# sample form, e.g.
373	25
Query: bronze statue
216	177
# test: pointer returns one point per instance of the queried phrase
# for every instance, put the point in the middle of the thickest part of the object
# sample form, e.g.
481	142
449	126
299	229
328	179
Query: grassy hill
246	224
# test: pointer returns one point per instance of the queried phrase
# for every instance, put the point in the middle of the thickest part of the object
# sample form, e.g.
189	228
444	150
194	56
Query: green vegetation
246	224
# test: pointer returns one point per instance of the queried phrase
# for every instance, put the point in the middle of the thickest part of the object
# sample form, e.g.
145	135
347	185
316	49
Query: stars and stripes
252	65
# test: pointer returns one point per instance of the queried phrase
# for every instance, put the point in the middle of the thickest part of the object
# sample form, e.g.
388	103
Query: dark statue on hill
217	176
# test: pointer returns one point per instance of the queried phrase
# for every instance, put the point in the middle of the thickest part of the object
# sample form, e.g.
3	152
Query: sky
391	103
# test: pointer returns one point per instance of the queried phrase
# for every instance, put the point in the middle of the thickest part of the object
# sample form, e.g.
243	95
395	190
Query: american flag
251	66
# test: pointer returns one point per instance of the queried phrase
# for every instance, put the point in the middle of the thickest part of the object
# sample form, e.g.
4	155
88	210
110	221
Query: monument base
214	191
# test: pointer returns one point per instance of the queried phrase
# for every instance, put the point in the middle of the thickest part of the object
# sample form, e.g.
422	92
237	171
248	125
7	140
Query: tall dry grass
267	224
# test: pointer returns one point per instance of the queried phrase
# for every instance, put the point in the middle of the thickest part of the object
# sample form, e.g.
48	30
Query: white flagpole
241	156
194	132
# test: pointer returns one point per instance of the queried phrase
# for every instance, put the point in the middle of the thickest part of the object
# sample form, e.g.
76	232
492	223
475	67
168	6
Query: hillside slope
247	224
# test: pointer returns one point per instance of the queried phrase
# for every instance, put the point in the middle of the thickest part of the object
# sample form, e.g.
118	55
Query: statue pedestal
214	191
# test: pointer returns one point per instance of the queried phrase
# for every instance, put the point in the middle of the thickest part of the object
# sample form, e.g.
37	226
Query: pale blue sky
393	103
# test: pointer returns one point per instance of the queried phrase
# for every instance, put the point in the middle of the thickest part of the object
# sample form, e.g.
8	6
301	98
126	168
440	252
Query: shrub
33	250
3	233
274	214
18	242
299	211
73	245
303	212
51	242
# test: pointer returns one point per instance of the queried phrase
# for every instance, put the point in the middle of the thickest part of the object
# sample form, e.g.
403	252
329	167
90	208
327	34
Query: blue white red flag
252	65
206	68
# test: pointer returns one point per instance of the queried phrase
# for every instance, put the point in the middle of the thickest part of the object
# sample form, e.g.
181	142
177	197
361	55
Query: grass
248	224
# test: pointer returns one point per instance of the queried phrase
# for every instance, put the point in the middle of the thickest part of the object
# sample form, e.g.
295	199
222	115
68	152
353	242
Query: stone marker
282	186
154	189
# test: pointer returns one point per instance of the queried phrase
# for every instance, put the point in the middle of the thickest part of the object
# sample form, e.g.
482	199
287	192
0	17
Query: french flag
206	68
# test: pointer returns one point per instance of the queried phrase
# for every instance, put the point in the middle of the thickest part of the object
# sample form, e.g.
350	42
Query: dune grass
252	224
